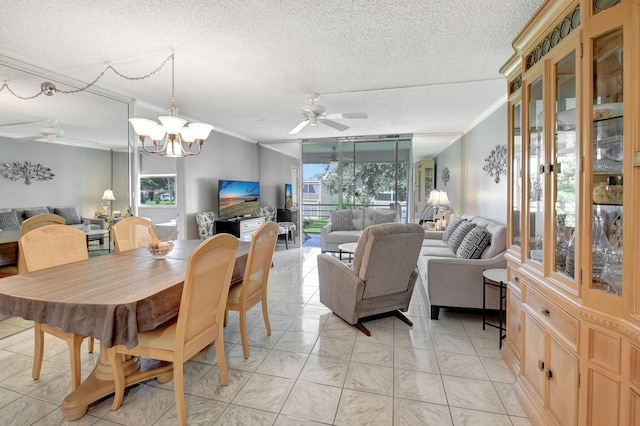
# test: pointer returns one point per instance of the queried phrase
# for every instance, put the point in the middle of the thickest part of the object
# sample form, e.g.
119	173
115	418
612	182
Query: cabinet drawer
553	316
512	276
250	225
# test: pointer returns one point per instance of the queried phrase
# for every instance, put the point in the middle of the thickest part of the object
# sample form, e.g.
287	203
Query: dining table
110	297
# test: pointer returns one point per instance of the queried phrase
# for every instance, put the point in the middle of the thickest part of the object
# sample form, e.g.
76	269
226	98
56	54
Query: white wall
222	157
81	176
450	158
275	171
470	188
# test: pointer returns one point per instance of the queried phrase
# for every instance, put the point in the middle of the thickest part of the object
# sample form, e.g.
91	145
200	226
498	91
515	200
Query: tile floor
314	369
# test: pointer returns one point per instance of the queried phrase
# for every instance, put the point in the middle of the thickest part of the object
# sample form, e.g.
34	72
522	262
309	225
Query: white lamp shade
157	132
187	134
174	149
441	199
432	196
172	125
142	126
108	195
201	130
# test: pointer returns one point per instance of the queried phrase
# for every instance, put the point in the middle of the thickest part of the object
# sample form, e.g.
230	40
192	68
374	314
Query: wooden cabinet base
100	383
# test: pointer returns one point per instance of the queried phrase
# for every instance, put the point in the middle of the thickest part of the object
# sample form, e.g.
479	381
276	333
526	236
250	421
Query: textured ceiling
414	66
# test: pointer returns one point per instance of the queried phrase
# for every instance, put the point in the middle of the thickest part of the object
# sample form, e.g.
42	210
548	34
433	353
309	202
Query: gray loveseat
346	226
70	213
452	281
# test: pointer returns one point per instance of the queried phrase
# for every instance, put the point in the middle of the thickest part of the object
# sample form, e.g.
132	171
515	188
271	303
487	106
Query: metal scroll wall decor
26	170
445	176
496	163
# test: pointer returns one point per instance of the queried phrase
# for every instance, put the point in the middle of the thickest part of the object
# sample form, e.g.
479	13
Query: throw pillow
379	218
450	228
34	212
341	220
474	244
70	214
458	235
9	221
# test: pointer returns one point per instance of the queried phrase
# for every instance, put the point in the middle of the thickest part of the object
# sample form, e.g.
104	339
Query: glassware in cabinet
607	166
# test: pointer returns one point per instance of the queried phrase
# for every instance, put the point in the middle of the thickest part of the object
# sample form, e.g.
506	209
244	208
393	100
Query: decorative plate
565	27
555	37
575	18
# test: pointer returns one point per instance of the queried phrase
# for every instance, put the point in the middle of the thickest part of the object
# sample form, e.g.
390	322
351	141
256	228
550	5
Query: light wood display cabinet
573	291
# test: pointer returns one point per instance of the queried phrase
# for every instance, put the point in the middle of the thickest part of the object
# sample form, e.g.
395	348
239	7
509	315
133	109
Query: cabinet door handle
549	373
545	311
515	279
541	365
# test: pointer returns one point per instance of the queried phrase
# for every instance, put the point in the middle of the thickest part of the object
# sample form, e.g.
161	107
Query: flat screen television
288	196
237	198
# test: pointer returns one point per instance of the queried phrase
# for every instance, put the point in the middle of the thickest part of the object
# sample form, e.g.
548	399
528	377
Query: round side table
349	248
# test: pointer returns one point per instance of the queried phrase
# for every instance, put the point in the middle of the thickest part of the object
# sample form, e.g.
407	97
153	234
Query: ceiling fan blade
348	115
22	123
299	127
334	124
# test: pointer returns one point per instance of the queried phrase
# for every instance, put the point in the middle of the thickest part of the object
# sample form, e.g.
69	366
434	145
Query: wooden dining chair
253	288
133	232
45	247
198	324
26	226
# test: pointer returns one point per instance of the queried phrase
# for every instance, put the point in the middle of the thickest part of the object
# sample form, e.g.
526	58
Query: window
157	190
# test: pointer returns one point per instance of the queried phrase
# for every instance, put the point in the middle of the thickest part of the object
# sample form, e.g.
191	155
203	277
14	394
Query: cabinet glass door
535	171
607	162
516	175
565	183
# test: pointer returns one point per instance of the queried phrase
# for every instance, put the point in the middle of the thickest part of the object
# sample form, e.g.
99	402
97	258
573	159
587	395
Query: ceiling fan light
201	130
142	126
172	125
157	132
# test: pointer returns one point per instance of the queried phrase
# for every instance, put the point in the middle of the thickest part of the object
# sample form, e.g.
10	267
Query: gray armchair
381	279
206	222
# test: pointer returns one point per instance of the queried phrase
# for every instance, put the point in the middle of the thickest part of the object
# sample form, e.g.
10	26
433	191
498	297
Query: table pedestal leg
100	382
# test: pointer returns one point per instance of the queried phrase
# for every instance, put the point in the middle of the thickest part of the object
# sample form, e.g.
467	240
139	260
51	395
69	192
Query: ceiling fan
48	133
313	114
333	157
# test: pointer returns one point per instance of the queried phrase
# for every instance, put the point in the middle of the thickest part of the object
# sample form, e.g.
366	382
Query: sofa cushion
498	240
458	235
358	218
451	227
341	220
28	213
379	218
435	251
70	215
473	244
9	220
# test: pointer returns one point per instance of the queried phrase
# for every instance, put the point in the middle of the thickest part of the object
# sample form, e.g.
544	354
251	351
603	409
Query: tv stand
241	227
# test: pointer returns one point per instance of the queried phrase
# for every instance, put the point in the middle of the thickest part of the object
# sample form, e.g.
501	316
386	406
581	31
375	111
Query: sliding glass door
355	173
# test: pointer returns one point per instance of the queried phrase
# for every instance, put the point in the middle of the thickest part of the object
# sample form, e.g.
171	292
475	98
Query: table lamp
441	200
108	196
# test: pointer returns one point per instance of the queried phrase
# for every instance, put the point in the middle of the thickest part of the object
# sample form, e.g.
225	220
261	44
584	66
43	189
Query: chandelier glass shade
171	138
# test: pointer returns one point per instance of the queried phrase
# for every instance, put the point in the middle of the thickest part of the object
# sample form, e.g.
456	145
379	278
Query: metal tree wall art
445	176
26	170
496	163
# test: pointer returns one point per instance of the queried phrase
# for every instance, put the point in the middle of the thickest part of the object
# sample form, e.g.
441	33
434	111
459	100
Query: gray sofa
346	226
70	213
452	281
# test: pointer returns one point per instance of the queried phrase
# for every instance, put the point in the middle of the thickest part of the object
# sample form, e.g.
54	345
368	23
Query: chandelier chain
109	67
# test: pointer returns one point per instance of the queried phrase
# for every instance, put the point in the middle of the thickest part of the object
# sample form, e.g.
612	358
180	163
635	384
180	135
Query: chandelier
171	138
